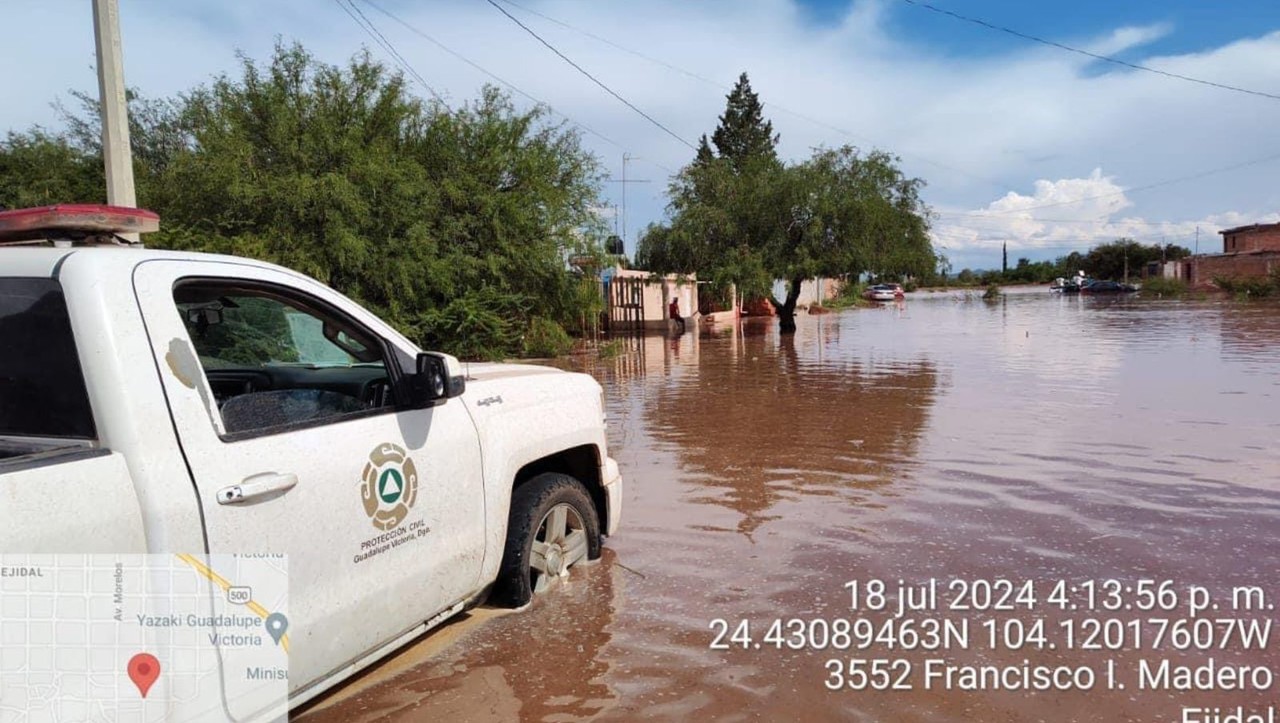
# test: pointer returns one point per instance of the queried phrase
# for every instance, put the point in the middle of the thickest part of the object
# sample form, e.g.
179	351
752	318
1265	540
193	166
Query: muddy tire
552	527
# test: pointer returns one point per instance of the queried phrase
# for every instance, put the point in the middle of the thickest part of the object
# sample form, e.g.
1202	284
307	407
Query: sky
1019	143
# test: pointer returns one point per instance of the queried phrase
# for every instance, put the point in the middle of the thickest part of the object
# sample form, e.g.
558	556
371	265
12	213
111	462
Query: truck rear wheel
553	526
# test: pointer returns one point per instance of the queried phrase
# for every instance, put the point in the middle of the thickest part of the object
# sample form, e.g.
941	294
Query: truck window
42	391
275	360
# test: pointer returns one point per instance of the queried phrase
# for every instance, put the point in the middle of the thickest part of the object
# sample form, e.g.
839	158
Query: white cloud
1069	214
1128	38
976	128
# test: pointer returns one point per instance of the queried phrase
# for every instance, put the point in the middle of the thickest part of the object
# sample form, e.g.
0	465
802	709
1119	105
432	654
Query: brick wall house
1247	251
1256	237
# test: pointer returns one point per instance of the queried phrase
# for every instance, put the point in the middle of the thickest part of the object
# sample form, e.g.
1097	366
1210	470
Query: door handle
258	485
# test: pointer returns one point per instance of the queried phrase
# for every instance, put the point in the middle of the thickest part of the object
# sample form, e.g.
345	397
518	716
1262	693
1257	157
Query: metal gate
624	305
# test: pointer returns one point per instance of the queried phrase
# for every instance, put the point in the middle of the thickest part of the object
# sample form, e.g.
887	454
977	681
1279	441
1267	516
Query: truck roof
39	261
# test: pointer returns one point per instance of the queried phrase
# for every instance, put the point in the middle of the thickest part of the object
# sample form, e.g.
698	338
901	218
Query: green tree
743	134
840	212
741	215
454	226
1110	260
38	169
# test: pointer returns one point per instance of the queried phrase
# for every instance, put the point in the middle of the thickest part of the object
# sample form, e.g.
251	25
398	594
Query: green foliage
1250	287
39	169
1105	261
838	213
992	293
1160	286
454	226
742	216
743	135
545	338
483	323
850	296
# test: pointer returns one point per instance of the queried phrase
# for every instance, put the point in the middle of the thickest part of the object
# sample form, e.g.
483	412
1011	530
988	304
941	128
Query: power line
372	30
855	136
514	88
774	106
1095	56
593	79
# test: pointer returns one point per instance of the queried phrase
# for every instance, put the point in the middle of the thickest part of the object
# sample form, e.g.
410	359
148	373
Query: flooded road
1034	439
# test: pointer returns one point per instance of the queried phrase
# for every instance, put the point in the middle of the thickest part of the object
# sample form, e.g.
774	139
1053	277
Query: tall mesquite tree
745	216
454	225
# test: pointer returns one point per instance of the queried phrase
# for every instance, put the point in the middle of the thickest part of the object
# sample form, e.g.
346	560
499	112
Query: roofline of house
1251	227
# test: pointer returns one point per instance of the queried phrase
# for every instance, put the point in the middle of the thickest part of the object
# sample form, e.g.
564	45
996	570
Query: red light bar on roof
73	221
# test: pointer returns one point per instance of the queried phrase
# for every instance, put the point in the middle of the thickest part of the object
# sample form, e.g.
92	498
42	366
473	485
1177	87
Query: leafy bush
992	293
1250	287
850	295
482	324
409	207
1162	286
546	338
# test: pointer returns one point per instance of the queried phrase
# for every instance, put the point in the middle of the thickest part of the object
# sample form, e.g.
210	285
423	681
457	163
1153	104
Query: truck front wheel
553	526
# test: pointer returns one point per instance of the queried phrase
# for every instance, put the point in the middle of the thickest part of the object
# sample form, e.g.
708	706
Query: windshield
42	392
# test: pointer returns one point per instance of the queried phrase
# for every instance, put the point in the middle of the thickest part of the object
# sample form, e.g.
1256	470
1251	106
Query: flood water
1035	438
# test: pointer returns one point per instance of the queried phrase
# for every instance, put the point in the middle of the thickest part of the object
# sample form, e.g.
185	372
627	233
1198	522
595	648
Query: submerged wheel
553	526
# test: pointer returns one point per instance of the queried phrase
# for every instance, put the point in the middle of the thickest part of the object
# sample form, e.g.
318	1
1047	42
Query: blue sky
1019	143
1206	24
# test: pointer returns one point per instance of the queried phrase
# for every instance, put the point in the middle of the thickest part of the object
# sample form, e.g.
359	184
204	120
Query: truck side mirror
437	378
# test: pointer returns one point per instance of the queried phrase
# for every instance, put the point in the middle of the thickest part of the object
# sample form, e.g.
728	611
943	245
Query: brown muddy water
1034	439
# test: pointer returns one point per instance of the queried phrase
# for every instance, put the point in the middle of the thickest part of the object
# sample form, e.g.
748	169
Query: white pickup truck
163	402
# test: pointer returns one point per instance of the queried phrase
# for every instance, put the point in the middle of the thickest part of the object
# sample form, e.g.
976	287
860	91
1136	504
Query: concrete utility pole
116	152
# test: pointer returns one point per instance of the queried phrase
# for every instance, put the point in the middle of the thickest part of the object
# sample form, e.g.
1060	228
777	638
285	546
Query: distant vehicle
1072	285
1107	287
884	292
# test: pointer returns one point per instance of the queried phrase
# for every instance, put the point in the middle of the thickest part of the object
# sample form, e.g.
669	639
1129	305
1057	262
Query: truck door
280	393
60	489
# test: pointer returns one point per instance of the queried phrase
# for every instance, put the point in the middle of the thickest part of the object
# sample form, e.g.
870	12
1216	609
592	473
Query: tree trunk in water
787	309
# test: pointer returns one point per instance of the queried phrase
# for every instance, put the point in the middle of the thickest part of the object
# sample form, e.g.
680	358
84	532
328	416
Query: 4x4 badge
389	486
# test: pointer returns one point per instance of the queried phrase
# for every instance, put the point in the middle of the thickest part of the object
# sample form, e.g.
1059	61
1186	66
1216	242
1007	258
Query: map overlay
185	637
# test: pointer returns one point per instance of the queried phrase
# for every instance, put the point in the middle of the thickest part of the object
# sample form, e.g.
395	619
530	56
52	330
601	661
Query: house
636	300
1247	252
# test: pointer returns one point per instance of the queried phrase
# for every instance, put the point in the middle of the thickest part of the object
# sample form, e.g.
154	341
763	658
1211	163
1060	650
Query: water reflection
1036	437
758	421
545	663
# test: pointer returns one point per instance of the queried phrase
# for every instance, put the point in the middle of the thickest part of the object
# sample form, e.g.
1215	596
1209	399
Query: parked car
1107	287
884	292
167	402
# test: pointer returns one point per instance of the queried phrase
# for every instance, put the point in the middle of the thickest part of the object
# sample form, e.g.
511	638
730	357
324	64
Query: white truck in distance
169	402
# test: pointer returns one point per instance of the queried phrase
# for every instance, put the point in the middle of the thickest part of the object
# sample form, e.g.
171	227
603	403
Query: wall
812	291
1201	270
1263	238
659	292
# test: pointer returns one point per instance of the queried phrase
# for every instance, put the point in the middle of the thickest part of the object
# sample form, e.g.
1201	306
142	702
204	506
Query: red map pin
143	671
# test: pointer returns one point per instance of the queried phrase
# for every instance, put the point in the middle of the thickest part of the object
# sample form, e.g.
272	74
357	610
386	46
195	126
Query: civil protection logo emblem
389	486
